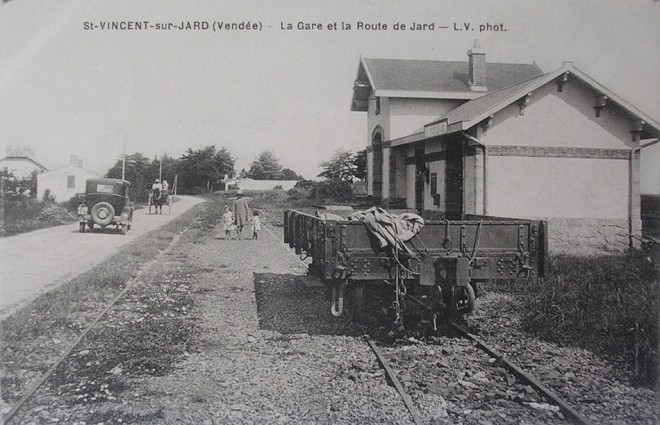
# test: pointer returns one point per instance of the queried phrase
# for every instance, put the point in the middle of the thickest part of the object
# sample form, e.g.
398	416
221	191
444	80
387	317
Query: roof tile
442	76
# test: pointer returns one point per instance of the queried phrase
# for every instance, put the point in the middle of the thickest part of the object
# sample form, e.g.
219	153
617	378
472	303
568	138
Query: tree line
202	170
199	170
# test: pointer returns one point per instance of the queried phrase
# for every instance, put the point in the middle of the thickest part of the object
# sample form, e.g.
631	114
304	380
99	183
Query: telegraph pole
123	164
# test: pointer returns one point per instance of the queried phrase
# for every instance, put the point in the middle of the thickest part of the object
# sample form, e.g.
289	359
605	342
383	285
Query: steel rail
393	379
545	391
129	285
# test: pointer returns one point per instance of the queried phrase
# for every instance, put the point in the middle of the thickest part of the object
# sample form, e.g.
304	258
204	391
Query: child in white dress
228	218
256	224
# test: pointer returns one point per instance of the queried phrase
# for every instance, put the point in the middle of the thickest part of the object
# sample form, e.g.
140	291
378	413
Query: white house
64	182
20	162
506	140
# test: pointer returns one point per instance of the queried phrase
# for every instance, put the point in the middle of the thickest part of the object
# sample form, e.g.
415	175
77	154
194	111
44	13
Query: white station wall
557	187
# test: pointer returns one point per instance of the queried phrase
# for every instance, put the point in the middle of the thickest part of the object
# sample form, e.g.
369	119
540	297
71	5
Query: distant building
20	162
231	181
64	182
249	184
506	140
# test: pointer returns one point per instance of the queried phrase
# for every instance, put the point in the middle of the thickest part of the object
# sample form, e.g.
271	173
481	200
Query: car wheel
103	213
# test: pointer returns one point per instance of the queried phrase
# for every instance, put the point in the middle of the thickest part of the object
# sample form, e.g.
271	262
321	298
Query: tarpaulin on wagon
389	229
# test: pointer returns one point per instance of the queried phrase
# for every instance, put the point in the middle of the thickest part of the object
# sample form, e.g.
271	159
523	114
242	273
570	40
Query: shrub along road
32	263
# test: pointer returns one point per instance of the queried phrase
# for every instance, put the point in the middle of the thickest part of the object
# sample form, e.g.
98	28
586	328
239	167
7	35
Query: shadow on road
107	231
285	305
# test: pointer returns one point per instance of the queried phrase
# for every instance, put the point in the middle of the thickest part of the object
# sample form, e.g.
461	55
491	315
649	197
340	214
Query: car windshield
104	188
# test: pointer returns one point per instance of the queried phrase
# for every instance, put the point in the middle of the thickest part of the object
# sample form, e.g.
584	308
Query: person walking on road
228	218
241	211
256	224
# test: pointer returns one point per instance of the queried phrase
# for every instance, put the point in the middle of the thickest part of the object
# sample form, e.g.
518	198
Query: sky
66	90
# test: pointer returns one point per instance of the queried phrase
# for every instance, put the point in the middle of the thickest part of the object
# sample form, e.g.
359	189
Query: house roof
25	158
430	79
70	166
474	111
473	108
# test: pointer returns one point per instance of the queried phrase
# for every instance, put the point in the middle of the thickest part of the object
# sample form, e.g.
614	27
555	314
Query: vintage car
106	204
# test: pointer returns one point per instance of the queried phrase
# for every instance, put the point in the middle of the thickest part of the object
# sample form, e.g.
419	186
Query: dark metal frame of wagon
455	253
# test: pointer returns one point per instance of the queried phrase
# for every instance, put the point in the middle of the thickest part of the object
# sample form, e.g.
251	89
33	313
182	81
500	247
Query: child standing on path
228	218
256	224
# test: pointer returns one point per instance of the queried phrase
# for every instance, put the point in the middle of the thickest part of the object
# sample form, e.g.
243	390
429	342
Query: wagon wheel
465	299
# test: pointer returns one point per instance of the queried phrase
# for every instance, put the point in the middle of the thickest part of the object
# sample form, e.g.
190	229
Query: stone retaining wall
588	236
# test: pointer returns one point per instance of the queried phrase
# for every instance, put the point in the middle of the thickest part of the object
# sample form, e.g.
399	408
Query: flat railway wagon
438	268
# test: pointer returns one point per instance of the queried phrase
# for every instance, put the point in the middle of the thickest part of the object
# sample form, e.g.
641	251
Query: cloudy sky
65	89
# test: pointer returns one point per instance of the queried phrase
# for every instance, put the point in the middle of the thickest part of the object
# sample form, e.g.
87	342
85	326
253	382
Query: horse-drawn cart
158	198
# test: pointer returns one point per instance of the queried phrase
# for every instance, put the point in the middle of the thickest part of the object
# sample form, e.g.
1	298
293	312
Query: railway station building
506	140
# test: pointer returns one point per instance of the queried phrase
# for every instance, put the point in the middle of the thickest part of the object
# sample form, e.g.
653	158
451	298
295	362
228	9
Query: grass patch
605	304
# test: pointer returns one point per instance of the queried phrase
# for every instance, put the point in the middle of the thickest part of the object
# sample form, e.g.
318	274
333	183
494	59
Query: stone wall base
588	236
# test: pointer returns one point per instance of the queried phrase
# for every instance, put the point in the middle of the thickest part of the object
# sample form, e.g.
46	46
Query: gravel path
267	355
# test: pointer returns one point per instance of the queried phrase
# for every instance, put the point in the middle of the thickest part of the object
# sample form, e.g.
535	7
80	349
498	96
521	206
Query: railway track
469	373
7	418
550	402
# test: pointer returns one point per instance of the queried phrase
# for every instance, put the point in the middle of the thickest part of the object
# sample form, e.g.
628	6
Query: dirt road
32	263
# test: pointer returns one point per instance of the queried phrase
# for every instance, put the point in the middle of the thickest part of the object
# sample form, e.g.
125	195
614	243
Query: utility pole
123	164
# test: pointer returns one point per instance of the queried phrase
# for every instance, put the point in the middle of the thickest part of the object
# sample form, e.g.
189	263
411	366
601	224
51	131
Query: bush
76	200
329	190
605	304
48	197
332	190
27	214
301	190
